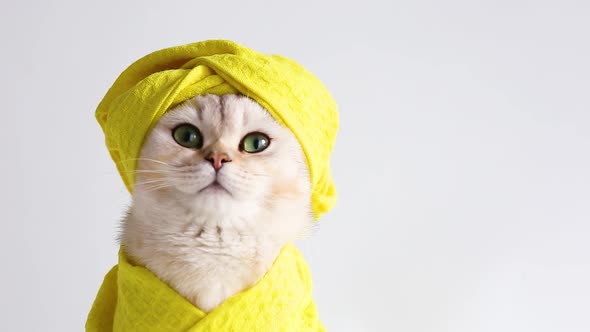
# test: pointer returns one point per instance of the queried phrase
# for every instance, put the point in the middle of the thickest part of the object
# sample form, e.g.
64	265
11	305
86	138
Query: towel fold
131	299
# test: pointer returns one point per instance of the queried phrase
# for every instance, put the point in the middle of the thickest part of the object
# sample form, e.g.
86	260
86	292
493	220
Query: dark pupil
258	142
189	136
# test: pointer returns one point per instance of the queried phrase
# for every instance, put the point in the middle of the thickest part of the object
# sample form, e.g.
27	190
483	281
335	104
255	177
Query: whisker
244	174
146	159
149	182
152	171
156	187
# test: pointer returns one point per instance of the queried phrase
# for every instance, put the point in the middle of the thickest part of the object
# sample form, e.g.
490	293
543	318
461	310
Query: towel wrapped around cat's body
131	298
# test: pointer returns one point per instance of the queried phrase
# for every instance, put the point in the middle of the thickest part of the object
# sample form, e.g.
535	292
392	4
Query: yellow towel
160	80
132	299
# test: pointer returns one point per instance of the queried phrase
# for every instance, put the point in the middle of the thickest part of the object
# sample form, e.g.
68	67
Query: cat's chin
214	188
213	197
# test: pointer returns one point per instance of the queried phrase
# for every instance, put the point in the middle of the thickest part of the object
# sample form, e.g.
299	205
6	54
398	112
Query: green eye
188	136
254	142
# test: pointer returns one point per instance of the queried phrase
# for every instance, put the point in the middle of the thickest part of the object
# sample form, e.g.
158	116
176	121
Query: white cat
220	187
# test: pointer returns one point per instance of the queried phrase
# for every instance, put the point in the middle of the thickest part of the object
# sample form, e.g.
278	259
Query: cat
221	186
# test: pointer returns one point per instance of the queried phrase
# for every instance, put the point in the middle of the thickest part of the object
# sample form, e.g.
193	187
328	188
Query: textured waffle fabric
132	299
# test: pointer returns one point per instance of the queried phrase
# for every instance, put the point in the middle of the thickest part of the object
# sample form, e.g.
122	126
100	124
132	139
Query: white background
462	161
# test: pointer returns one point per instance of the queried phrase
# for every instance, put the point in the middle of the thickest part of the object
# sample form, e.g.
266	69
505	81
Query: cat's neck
204	257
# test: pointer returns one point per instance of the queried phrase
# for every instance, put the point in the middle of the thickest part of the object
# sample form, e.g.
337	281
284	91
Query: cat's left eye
254	142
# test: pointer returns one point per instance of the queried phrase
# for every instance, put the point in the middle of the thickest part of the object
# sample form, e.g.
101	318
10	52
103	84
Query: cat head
224	158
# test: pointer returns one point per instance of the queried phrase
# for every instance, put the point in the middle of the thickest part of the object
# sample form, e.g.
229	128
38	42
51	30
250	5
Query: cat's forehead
228	111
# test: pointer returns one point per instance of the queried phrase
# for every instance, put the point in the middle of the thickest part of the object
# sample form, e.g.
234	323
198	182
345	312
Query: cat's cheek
280	168
177	155
287	189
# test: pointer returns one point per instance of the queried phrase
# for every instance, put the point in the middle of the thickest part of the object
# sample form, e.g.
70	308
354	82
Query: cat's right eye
188	136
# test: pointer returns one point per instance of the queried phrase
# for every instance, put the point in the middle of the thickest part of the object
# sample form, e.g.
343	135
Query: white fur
212	244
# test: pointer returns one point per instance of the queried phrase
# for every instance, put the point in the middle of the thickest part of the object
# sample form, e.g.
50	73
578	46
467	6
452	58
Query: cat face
222	155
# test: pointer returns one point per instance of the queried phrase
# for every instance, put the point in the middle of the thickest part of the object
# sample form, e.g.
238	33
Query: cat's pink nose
217	159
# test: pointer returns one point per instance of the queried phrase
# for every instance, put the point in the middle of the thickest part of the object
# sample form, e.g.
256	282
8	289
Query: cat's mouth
215	187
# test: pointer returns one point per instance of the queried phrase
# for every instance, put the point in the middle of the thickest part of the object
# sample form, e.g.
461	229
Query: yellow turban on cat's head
165	78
